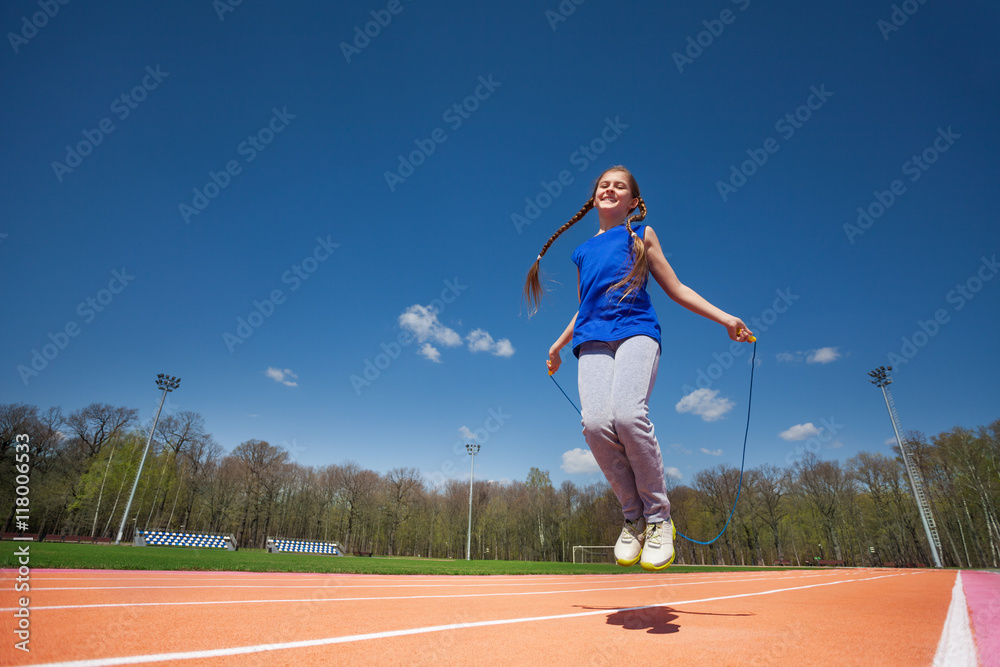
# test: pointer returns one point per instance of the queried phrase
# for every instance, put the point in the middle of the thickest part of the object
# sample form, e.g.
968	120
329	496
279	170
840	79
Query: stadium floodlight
880	376
473	450
881	379
167	383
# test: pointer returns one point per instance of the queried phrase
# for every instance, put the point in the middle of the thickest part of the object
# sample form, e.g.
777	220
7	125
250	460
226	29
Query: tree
542	502
404	483
772	485
356	492
719	487
93	426
262	464
825	484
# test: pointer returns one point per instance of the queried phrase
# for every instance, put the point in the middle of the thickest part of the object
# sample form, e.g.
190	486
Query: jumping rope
742	460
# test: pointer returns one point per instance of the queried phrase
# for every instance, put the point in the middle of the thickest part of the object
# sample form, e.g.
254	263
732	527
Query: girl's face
614	195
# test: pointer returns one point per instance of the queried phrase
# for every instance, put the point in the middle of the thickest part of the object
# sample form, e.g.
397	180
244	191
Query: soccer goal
589	554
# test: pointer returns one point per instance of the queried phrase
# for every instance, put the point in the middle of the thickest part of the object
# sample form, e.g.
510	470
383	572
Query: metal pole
913	483
472	449
880	378
167	385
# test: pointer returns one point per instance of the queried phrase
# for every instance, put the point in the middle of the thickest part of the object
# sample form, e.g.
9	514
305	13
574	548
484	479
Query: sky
319	215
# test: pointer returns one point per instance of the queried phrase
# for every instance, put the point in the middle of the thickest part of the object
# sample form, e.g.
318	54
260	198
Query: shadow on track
654	620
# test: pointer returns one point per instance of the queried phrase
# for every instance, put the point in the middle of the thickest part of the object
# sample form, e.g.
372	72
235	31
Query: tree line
860	511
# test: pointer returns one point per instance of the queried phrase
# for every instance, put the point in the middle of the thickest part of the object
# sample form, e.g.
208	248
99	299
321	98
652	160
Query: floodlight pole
167	383
881	379
473	450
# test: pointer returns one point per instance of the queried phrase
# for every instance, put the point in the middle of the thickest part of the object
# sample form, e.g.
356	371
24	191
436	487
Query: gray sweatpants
615	381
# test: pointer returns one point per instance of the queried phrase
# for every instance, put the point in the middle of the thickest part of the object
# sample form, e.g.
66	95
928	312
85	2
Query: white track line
308	643
47	575
107	605
956	647
344	586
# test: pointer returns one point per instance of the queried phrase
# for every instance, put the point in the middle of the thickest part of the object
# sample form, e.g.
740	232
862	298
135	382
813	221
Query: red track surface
844	617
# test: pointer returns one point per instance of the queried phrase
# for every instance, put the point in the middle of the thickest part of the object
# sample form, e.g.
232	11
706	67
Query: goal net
592	554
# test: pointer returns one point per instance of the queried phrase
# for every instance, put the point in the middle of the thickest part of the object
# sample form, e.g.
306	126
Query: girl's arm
555	360
664	274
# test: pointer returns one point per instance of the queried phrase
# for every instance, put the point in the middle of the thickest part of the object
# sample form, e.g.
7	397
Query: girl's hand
738	331
554	360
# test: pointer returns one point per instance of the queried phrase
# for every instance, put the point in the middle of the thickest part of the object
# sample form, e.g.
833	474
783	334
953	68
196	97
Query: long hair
635	279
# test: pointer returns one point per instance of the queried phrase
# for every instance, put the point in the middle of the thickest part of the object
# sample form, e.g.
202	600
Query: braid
532	294
637	276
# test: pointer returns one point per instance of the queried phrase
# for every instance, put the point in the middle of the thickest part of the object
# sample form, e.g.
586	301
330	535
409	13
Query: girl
616	337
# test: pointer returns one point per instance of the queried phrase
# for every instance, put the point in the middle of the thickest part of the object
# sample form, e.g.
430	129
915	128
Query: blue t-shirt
603	261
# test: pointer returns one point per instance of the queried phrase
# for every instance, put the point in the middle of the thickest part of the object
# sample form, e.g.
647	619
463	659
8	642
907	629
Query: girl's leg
636	362
596	380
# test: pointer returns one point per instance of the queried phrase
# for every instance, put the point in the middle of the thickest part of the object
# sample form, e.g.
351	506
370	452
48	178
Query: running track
843	617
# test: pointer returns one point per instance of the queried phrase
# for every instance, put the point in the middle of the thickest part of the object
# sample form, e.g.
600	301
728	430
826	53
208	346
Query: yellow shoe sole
656	568
629	563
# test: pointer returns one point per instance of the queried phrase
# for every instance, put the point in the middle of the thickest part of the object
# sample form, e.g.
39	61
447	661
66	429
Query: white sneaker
658	550
628	548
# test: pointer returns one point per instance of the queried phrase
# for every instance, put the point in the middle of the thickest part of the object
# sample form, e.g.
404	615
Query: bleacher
162	538
77	539
20	536
275	545
52	537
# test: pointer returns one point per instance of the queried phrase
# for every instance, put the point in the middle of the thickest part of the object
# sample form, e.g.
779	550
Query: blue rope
739	488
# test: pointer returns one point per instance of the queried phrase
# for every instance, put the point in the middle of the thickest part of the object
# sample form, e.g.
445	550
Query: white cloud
711	452
836	444
706	404
579	461
823	355
681	448
800	432
504	348
285	377
466	433
430	352
481	341
423	323
672	472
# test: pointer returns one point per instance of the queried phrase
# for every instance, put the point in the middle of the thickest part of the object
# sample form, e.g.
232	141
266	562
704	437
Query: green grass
127	557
